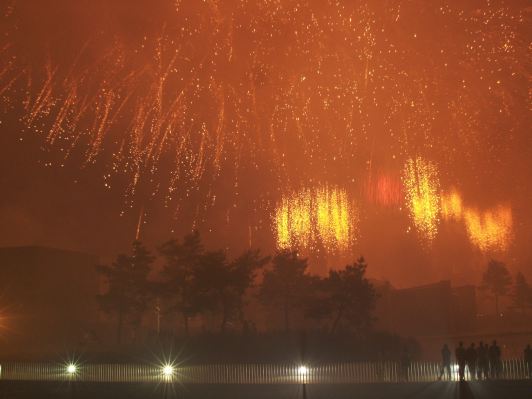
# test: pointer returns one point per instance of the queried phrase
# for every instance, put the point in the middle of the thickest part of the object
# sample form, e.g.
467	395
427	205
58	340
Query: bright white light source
168	370
302	370
71	369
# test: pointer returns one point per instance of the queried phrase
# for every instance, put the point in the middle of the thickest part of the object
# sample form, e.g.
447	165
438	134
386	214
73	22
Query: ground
439	390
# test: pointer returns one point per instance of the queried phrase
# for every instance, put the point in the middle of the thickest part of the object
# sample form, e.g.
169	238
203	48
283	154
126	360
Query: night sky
395	129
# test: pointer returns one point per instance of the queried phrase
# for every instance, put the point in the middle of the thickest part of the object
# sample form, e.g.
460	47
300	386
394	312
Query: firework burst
451	205
422	188
316	218
490	230
186	98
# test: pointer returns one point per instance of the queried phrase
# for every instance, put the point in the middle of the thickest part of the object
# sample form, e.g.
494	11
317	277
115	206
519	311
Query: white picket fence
339	373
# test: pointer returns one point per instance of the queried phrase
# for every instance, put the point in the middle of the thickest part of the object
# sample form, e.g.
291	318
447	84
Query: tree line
497	280
196	282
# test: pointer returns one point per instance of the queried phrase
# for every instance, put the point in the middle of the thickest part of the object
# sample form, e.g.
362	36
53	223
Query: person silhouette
460	354
528	359
498	358
446	362
405	363
471	360
483	364
494	354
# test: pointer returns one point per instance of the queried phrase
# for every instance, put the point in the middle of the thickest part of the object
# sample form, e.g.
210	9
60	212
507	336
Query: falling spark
490	230
293	218
385	189
292	89
423	196
451	205
170	96
139	223
334	218
314	218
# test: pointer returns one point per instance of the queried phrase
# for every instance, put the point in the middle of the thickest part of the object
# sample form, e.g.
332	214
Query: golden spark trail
334	219
187	96
451	206
490	230
422	188
314	218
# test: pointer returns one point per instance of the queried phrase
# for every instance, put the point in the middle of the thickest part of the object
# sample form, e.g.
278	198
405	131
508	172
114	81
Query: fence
340	373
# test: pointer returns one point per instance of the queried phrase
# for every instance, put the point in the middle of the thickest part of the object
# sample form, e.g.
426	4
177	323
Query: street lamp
71	369
168	371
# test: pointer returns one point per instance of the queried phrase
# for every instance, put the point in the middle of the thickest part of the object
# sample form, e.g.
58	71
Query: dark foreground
434	390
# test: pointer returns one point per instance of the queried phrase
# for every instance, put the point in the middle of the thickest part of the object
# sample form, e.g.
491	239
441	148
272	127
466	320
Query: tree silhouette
198	281
317	304
179	285
243	272
352	296
213	284
285	285
222	285
128	287
497	279
522	293
347	296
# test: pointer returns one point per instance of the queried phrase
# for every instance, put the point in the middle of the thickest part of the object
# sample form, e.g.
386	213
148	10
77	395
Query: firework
335	219
274	75
423	196
490	230
314	218
385	190
451	205
212	94
293	219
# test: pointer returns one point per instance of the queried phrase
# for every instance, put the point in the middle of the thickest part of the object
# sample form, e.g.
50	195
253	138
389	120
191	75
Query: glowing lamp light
302	370
168	370
71	369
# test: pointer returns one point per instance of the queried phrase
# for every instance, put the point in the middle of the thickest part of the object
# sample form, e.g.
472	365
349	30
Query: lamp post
303	370
158	316
302	373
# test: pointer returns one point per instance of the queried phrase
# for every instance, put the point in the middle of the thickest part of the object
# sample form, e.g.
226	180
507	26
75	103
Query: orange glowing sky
392	129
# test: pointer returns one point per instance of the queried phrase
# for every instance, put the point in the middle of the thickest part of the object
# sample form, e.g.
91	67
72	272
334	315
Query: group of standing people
527	355
483	362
